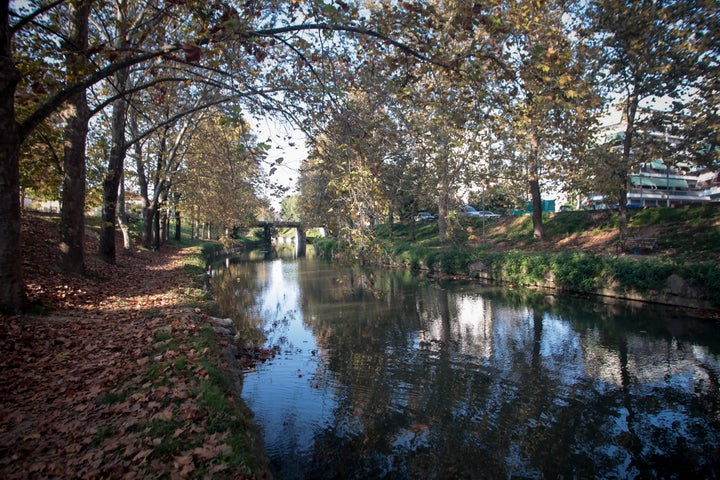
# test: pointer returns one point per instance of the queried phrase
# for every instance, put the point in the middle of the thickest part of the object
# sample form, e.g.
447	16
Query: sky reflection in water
379	376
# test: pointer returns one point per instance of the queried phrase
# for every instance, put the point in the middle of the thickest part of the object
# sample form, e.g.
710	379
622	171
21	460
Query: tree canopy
405	105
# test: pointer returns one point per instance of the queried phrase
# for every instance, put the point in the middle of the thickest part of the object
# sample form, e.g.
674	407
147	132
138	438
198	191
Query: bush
414	258
578	272
641	275
706	274
326	247
454	260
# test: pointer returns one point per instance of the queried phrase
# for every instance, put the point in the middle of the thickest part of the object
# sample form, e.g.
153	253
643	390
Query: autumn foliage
117	375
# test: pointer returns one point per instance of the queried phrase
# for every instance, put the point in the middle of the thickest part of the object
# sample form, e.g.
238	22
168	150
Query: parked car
424	217
488	213
469	211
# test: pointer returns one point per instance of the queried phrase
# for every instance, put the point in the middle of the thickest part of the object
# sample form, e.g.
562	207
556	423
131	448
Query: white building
655	183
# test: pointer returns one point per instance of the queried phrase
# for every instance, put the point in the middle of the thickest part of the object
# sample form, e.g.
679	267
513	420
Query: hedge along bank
692	285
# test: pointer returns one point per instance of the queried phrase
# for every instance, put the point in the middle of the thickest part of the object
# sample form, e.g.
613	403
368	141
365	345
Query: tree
259	31
542	99
222	178
289	208
700	125
77	116
353	150
12	295
640	43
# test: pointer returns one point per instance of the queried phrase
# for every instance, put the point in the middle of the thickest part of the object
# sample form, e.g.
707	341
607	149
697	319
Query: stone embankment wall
676	292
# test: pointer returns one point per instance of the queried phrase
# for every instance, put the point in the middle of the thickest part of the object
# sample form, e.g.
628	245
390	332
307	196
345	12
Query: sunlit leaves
222	179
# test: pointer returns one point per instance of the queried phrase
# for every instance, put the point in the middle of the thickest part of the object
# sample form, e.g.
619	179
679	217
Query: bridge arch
300	230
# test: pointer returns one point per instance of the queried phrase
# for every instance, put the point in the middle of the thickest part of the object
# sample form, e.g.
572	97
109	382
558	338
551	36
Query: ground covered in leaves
116	374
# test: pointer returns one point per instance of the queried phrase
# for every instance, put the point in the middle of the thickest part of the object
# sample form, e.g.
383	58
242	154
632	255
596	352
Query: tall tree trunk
114	173
148	207
413	214
443	200
77	115
163	226
147	233
538	228
535	197
443	203
123	217
12	289
178	226
156	230
391	220
158	218
630	112
443	208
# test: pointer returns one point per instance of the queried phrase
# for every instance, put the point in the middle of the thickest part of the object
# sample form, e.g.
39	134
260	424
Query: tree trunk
116	164
443	195
413	214
123	217
391	221
443	208
193	223
12	289
164	226
77	115
156	229
178	226
630	111
149	212
535	197
538	229
148	207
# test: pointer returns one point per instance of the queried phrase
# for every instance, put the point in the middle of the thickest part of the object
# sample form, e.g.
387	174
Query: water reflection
380	376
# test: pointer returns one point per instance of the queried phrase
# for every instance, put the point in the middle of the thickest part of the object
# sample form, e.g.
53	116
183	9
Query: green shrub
325	247
209	249
706	274
455	260
640	275
577	271
525	269
414	258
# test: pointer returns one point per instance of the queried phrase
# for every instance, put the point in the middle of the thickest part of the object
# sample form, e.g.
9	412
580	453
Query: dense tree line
520	109
152	68
405	104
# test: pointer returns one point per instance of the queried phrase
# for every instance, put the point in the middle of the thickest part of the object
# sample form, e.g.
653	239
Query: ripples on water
379	376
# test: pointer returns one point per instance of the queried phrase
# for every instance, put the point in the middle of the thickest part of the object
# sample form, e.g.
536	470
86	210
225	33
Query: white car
469	211
487	213
424	217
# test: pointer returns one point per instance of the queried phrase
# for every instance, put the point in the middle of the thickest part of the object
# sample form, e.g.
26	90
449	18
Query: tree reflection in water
383	376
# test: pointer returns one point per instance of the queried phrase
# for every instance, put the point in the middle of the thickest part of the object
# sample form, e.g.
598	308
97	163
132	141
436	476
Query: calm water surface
379	375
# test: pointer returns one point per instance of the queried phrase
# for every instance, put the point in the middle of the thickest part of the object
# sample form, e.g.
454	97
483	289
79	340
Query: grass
580	252
190	397
190	410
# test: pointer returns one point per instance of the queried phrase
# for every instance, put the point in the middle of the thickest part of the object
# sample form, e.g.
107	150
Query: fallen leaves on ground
115	380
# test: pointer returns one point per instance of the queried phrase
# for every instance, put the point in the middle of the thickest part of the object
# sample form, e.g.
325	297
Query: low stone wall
677	291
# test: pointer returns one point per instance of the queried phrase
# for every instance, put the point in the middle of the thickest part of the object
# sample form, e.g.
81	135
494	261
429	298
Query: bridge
300	230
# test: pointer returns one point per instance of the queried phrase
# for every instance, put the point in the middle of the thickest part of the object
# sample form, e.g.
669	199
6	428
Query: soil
91	337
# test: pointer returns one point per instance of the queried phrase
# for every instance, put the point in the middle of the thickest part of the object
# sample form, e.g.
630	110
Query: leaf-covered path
120	379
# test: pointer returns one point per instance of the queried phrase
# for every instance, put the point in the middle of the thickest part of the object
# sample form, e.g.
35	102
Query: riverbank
118	373
581	253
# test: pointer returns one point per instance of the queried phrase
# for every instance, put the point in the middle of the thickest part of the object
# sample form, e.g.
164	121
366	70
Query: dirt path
95	388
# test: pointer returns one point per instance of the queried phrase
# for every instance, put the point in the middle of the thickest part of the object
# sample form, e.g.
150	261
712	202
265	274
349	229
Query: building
657	182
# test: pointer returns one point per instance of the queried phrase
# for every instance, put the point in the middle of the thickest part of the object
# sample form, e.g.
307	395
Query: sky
287	143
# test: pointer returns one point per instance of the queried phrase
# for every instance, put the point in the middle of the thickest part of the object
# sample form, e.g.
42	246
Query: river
379	374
